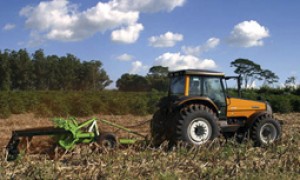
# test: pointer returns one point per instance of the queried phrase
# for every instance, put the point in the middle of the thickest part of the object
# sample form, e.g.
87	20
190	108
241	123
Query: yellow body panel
243	108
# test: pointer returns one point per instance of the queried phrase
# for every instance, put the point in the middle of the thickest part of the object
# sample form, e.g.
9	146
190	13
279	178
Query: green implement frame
69	133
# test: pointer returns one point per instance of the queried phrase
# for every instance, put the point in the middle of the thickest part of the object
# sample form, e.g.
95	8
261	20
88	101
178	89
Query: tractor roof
203	72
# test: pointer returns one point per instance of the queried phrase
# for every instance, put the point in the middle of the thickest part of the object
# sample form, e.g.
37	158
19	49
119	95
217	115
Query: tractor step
225	127
230	128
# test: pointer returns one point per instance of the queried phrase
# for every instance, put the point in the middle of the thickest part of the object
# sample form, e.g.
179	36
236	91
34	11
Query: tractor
197	109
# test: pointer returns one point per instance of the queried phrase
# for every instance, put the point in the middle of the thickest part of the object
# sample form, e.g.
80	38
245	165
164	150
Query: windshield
177	85
212	87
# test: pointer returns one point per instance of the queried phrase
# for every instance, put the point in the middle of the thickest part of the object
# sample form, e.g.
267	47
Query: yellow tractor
198	109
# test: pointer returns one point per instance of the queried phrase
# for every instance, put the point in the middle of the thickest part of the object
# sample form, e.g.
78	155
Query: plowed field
217	160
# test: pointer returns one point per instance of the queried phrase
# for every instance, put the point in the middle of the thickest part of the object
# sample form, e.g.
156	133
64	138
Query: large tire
158	131
196	124
265	130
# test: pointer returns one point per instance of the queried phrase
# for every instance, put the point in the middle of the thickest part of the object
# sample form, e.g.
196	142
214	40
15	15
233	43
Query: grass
216	160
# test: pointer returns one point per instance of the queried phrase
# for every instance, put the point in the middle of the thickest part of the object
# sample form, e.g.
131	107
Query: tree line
21	71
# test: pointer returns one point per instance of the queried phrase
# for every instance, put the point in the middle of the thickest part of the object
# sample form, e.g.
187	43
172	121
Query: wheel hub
199	131
268	133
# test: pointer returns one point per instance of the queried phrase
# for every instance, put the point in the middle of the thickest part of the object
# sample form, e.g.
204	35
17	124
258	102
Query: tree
68	69
159	71
269	77
248	70
53	72
132	82
21	70
5	71
41	70
102	79
158	78
92	76
291	82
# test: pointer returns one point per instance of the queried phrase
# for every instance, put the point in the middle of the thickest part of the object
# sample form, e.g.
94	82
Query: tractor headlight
269	108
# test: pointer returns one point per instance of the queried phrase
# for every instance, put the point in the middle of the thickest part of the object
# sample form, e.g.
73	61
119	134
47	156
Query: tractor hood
244	108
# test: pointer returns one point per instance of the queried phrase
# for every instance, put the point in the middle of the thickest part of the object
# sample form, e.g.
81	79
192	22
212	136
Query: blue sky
129	36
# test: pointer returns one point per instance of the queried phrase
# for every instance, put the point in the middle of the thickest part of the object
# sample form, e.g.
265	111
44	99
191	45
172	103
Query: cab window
195	86
177	85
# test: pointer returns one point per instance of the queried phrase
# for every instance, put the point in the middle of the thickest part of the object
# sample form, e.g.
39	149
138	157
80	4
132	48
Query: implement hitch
69	133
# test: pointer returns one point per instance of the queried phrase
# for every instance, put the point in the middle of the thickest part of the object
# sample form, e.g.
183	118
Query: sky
130	36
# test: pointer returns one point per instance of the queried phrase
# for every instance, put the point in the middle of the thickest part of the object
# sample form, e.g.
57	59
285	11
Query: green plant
296	103
16	103
4	105
281	104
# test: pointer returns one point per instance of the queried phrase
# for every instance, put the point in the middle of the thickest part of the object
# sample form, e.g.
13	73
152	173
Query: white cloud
60	20
248	34
212	43
127	35
137	67
125	57
50	15
147	5
36	39
177	61
189	58
197	50
9	27
168	39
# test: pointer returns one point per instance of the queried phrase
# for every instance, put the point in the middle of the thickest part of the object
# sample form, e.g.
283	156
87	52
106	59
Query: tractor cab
200	84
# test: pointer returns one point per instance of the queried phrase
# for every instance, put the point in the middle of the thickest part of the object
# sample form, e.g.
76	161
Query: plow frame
69	133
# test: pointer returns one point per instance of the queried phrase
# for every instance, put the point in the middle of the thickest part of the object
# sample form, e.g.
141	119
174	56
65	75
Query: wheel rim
268	133
199	131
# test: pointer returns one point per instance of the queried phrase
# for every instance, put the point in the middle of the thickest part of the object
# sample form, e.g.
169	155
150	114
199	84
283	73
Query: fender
203	100
254	117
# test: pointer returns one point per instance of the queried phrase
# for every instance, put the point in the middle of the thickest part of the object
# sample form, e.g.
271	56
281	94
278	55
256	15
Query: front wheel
196	125
265	130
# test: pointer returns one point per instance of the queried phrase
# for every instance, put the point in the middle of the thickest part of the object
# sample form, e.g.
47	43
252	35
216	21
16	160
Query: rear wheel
196	125
158	131
265	130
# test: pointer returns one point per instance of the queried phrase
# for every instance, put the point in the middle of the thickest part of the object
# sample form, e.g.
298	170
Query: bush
86	103
138	106
296	104
16	103
297	91
154	98
98	106
79	105
43	110
281	104
4	105
60	106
